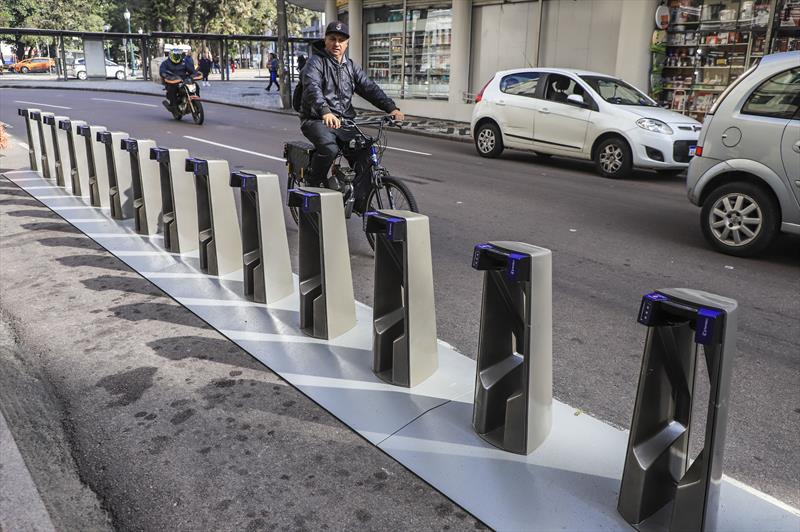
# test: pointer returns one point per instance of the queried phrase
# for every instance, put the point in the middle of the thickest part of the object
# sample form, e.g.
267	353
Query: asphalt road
612	242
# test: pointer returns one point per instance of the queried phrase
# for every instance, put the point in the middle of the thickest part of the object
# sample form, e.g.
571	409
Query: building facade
432	56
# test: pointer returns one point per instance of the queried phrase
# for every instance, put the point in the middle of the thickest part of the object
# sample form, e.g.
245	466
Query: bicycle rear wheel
393	195
291	183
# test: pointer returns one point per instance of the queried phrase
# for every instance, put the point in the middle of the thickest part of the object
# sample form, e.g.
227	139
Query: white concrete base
570	482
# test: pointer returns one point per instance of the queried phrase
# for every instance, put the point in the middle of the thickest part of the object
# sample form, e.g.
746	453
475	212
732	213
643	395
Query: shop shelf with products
709	44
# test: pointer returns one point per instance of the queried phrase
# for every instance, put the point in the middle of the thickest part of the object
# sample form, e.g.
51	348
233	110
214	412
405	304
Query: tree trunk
283	55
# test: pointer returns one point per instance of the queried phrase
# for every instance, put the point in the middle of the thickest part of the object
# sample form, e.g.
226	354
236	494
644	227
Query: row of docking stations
192	202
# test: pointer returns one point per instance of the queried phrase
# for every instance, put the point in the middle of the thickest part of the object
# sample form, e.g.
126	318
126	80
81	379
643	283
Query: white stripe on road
123	101
234	148
407	151
42	104
24	145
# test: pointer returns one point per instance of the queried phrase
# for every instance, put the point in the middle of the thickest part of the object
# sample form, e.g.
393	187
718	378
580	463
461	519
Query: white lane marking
761	495
123	101
234	148
42	104
408	151
24	145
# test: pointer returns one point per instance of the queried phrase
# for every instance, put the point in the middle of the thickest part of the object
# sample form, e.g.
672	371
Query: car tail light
698	152
479	96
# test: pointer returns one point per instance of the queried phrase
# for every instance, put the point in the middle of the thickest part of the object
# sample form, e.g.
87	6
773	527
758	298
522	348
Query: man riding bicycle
172	72
329	80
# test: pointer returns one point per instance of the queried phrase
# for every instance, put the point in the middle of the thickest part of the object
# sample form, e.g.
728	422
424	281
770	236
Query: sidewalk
249	94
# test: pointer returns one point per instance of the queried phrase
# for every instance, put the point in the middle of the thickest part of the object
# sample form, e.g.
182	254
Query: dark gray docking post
659	489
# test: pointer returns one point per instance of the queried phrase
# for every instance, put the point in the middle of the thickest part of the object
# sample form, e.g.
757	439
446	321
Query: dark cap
338	27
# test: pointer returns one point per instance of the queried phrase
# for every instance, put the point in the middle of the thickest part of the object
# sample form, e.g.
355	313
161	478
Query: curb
419	133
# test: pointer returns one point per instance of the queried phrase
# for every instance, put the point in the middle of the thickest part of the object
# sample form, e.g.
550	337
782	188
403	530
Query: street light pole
127	15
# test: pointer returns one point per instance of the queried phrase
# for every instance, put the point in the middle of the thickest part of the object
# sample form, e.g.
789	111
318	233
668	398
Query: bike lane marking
234	148
42	104
123	101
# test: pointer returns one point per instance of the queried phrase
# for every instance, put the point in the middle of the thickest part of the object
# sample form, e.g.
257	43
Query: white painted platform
571	482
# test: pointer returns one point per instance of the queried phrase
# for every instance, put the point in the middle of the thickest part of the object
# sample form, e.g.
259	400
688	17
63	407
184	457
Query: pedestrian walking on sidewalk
215	66
273	72
205	69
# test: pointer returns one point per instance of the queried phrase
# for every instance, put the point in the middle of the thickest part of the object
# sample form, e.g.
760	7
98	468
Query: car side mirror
576	99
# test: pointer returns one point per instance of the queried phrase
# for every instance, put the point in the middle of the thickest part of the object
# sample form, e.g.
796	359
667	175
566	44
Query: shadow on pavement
107	262
211	349
51	226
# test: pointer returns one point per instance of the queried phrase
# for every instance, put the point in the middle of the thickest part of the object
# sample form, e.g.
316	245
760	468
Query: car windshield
617	91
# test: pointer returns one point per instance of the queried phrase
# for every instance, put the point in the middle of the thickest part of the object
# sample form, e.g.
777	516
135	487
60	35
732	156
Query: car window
520	84
778	97
617	92
560	86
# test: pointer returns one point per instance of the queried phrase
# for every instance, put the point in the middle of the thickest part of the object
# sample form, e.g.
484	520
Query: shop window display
709	43
411	65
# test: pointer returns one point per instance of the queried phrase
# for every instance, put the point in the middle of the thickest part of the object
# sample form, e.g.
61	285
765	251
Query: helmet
176	55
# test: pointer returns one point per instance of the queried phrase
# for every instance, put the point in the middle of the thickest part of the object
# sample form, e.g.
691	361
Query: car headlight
656	126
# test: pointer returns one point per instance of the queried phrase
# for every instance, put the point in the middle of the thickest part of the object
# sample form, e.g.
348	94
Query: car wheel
120	74
24	70
613	158
488	140
82	75
739	219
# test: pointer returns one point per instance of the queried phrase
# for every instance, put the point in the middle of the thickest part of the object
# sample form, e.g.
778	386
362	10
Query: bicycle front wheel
393	195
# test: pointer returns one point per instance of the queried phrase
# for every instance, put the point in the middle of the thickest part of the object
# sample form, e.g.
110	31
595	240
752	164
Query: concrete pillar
636	26
460	49
355	10
331	13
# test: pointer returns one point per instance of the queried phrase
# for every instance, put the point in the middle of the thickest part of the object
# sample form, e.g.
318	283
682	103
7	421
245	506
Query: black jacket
328	86
170	70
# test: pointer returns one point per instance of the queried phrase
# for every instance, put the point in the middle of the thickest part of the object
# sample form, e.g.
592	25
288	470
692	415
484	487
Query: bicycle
386	191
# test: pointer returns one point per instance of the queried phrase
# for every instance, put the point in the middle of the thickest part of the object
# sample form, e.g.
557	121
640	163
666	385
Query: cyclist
172	71
329	80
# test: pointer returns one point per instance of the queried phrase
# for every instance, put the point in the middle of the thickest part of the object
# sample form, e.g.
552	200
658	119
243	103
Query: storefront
434	55
709	43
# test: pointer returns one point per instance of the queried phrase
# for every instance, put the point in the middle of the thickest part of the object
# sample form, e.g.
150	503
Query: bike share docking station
218	233
98	166
265	246
34	138
79	164
514	381
657	472
178	199
58	139
120	186
327	303
404	346
145	185
48	160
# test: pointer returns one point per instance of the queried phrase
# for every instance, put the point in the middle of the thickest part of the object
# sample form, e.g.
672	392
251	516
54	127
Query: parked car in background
746	175
33	64
584	115
113	70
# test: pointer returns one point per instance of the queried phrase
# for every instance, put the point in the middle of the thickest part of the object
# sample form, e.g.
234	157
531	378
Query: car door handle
796	146
544	111
501	102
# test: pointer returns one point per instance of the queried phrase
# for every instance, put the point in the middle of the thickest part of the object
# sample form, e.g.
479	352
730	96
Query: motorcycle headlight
656	126
190	87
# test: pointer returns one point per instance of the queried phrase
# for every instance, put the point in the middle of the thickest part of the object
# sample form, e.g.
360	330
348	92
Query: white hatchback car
113	70
580	114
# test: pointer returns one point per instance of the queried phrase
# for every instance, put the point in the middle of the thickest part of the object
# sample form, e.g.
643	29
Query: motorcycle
188	100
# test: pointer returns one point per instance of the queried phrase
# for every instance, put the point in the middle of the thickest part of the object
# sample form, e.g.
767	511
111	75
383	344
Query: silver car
746	169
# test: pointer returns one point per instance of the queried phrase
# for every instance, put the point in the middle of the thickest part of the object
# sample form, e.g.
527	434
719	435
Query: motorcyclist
329	81
172	71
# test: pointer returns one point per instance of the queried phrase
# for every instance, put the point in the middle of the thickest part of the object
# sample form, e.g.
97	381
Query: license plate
692	149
